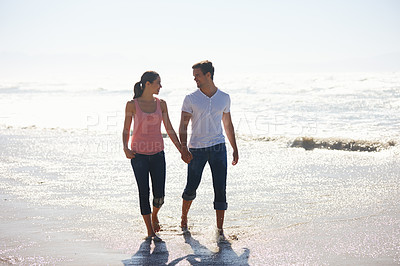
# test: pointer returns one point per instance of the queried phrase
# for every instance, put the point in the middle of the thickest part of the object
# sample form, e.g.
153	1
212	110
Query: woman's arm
129	112
168	126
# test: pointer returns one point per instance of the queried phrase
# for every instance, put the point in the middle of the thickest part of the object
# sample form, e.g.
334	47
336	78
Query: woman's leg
149	226
154	220
140	167
158	175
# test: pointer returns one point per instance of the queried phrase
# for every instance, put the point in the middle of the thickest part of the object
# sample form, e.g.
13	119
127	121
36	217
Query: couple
206	108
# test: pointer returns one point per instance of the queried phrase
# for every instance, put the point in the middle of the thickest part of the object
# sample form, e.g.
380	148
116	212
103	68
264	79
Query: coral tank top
146	137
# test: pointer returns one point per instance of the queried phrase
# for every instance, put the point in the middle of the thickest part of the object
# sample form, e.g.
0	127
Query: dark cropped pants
143	165
216	158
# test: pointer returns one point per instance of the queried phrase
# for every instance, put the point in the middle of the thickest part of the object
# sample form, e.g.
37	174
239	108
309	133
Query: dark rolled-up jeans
143	165
216	158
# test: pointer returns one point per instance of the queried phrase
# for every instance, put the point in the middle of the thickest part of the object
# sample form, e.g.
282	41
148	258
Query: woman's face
155	86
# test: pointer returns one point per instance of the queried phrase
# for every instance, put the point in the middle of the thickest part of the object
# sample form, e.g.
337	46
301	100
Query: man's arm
230	133
185	118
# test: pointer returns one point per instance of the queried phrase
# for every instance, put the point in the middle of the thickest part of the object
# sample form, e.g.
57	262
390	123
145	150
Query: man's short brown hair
205	66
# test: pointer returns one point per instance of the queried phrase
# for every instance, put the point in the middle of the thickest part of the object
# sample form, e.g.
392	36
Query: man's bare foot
220	236
184	225
156	224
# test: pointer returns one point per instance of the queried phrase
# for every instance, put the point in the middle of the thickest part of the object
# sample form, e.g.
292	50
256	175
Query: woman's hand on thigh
129	153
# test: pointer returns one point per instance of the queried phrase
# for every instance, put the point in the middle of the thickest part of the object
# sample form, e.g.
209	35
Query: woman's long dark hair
149	76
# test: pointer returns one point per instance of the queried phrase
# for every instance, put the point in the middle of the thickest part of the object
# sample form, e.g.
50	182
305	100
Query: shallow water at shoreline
358	106
286	205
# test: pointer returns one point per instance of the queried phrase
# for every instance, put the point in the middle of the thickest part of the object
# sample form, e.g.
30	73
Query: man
206	108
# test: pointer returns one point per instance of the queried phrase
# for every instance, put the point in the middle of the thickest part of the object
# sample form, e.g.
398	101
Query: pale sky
88	38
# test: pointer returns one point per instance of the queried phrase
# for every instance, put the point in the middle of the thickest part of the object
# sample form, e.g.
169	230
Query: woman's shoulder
130	105
160	100
131	102
163	104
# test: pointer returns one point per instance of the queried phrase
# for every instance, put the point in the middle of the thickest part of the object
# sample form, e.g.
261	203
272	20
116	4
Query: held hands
129	154
186	155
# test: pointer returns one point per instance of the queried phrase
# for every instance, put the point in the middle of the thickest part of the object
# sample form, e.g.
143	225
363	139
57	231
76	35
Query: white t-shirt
206	117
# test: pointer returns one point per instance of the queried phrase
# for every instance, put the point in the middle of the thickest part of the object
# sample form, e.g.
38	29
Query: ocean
317	180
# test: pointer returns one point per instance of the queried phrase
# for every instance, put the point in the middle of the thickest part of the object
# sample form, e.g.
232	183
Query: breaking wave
309	143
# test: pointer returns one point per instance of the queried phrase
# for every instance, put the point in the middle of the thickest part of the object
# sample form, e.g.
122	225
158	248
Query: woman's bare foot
156	238
153	237
155	223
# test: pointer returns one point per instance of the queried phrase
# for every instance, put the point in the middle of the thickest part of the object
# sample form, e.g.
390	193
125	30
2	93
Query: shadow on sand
159	256
201	254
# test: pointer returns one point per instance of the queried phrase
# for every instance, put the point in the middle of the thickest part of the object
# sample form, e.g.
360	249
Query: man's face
199	77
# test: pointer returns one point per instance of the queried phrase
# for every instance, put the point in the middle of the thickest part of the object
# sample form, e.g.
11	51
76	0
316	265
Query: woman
147	146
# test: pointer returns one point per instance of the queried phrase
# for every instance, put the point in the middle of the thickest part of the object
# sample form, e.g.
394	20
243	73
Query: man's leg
220	220
218	165
185	209
195	170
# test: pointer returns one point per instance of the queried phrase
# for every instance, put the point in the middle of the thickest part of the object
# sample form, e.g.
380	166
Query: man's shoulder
223	93
192	95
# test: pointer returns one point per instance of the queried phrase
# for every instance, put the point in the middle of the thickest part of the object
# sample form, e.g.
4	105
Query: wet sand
69	198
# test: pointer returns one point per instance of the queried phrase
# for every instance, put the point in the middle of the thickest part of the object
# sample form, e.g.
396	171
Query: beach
314	93
69	198
317	181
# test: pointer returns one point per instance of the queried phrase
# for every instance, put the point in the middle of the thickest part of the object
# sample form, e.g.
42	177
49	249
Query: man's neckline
216	91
